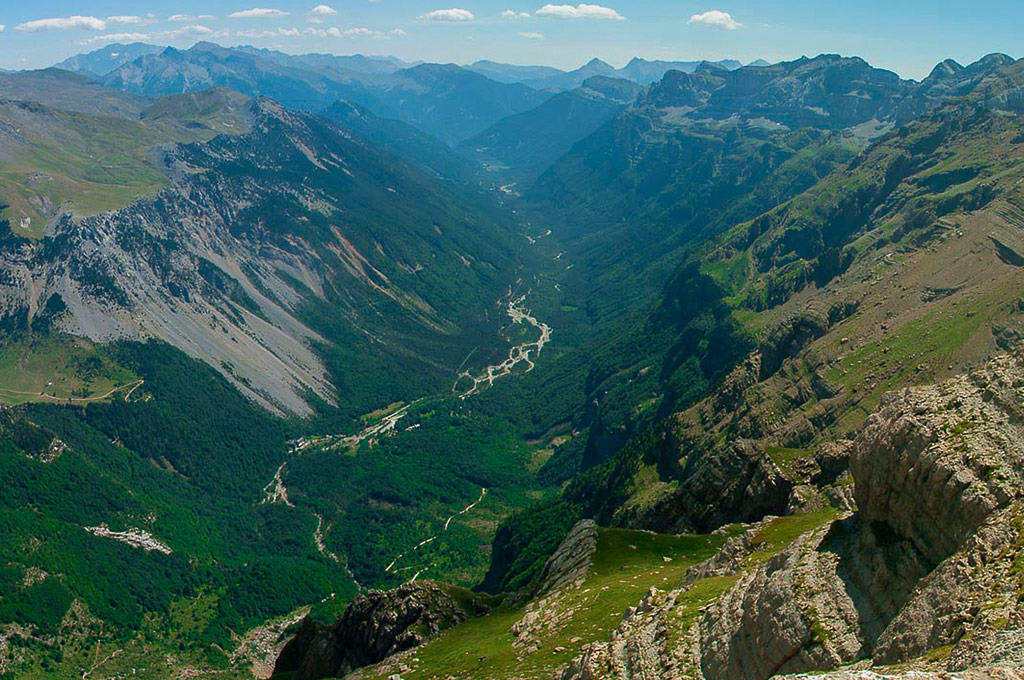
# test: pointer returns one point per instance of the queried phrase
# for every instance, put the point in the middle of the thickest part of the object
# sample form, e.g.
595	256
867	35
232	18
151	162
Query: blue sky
907	36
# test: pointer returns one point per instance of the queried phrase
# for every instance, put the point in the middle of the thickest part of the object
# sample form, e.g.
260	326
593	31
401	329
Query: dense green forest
187	459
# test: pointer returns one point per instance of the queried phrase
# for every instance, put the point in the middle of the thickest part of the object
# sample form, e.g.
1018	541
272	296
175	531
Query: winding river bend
524	353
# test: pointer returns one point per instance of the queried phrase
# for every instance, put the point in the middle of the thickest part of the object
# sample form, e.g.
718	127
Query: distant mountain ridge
637	70
446	101
524	145
356	62
100	62
71	92
512	73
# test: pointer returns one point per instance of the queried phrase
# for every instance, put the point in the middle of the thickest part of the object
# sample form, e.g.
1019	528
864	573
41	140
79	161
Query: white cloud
123	19
252	34
190	31
2	28
189	17
581	11
323	10
358	32
715	18
258	13
448	15
76	21
530	35
116	38
331	32
512	14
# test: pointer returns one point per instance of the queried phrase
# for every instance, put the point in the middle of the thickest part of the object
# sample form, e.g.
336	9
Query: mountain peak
436	70
946	68
210	49
994	60
709	67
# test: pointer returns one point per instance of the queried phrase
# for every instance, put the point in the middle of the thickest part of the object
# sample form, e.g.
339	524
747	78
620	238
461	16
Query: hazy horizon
908	39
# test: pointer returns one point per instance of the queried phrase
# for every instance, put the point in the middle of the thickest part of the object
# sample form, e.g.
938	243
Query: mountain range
421	95
319	366
639	71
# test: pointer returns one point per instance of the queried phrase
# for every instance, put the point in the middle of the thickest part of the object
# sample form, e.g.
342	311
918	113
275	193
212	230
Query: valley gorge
316	366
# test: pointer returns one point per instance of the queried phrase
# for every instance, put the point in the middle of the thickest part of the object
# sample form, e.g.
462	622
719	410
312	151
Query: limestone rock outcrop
571	561
375	626
564	571
935	462
927	573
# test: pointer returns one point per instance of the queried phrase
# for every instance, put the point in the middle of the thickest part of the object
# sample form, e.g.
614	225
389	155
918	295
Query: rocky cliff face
934	463
569	564
926	572
977	674
375	626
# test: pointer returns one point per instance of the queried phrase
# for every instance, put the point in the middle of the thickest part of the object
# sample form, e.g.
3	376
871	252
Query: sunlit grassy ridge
626	565
87	163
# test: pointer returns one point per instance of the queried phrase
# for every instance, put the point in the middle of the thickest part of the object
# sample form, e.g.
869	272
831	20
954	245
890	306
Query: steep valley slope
634	208
69	145
239	259
894	270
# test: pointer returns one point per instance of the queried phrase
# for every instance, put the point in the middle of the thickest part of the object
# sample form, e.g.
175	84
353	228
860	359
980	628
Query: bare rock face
570	563
936	470
564	571
642	645
822	603
969	605
734	483
639	647
375	626
791	615
978	674
714	454
929	570
935	462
